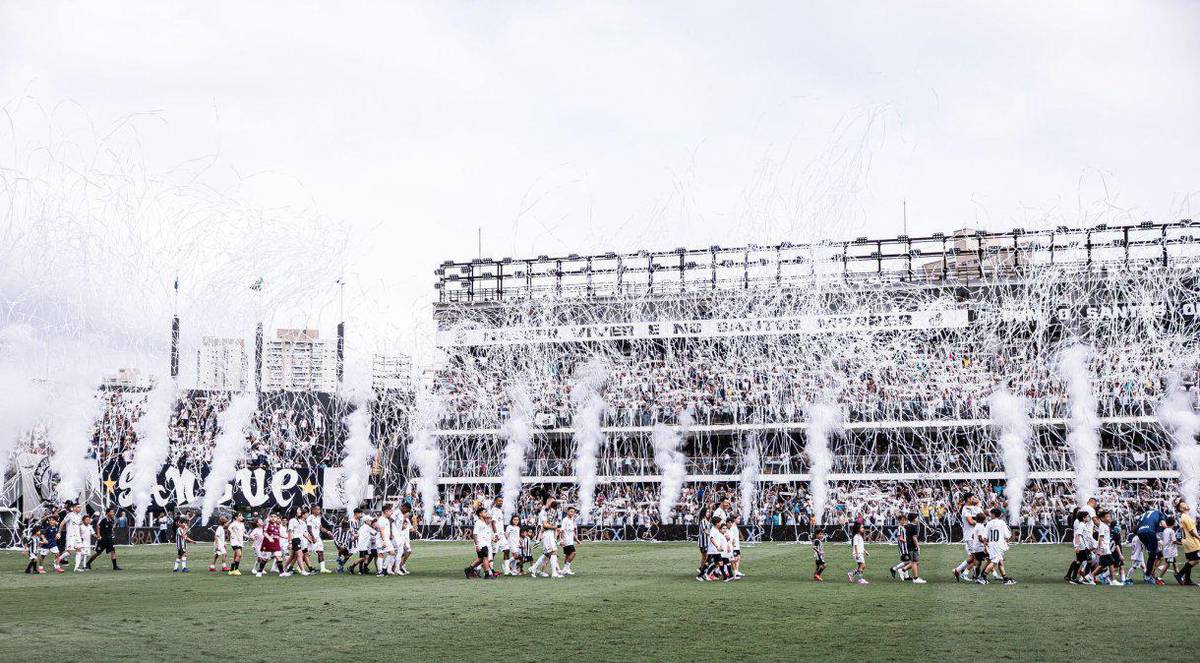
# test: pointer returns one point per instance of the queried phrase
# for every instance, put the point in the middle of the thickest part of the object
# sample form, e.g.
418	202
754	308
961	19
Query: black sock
1073	570
114	562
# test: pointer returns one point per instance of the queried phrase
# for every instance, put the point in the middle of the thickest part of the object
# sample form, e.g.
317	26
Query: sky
413	128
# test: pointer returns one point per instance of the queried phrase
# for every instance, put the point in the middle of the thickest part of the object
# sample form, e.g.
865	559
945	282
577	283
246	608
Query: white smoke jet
518	433
71	431
750	471
1010	416
153	444
228	449
22	406
589	406
424	453
1084	422
824	422
671	462
1178	416
356	466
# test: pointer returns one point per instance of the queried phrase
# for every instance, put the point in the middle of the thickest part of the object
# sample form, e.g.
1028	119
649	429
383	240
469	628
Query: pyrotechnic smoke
671	462
1010	417
750	472
153	444
424	452
228	449
589	406
1178	416
356	466
77	409
1084	422
22	405
518	431
824	422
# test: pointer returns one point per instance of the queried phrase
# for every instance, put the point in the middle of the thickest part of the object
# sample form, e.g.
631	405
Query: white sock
183	562
79	560
554	565
322	565
537	566
176	564
961	567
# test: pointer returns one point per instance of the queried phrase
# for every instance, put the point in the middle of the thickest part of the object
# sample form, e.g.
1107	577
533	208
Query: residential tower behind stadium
905	337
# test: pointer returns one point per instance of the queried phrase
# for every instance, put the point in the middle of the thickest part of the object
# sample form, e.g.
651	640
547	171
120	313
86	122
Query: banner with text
715	328
264	488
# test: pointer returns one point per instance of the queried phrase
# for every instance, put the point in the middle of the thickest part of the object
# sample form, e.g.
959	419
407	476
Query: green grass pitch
627	602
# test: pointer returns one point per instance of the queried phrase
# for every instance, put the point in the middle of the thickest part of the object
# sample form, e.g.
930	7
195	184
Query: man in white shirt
70	525
568	535
315	529
404	542
387	548
496	515
970	510
483	536
997	536
548	522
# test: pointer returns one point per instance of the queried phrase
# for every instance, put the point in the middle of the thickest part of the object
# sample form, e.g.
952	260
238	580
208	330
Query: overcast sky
576	127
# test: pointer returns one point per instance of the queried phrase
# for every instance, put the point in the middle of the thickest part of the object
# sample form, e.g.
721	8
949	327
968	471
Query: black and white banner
273	488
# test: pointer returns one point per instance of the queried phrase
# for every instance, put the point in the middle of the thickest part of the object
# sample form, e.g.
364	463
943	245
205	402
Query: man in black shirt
104	538
910	534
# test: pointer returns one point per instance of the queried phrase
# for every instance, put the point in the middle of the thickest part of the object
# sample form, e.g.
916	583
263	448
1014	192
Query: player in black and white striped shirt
818	545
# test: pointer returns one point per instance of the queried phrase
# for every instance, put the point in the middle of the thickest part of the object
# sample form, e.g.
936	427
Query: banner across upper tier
655	329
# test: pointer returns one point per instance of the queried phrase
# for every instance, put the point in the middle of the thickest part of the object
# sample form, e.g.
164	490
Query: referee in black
104	538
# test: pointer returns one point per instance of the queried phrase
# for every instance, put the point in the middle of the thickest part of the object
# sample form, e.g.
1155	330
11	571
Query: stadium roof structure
939	259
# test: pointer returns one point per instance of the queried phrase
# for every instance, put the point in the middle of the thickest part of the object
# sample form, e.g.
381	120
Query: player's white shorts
549	542
74	542
85	550
996	553
219	549
316	546
860	558
502	544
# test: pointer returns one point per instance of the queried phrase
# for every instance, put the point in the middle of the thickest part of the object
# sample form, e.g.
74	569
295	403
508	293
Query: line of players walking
514	543
382	540
1155	544
71	532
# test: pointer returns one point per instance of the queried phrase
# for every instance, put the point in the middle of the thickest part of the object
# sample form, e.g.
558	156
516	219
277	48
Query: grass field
627	602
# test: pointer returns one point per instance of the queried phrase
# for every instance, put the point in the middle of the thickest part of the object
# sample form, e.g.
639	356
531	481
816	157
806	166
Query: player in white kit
548	522
569	535
512	534
70	523
316	528
499	542
967	515
387	545
219	553
237	540
998	535
858	550
404	537
86	532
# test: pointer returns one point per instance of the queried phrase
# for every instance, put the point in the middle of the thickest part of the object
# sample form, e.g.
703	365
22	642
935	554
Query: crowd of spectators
914	379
